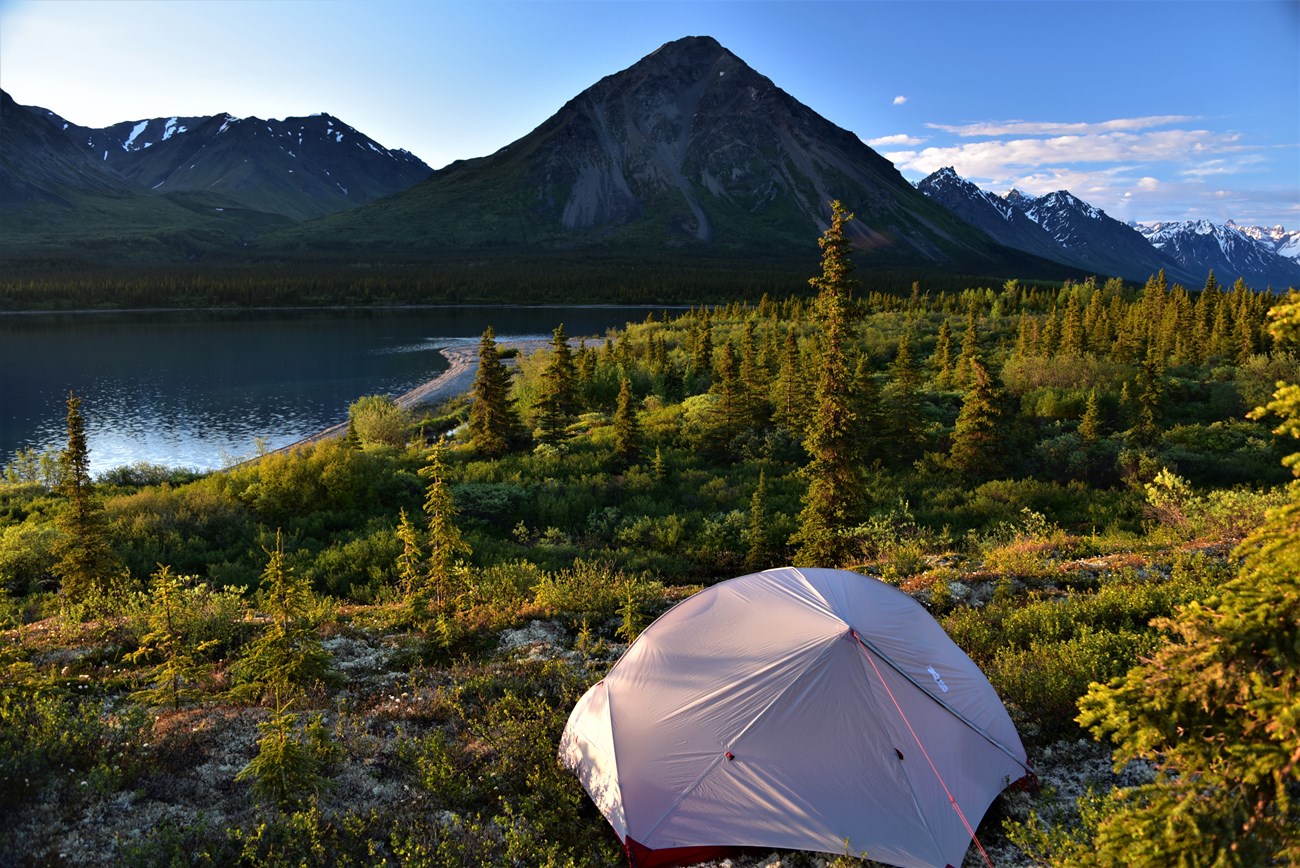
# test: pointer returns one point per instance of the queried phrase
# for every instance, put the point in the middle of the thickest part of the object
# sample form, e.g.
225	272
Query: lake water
201	388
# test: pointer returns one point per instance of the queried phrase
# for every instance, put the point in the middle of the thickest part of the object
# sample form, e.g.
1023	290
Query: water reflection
197	389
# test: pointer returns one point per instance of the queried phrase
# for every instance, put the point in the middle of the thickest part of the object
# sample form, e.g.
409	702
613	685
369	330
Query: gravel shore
462	367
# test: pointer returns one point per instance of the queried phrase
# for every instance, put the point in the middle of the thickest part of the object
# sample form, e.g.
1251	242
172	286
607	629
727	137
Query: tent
808	709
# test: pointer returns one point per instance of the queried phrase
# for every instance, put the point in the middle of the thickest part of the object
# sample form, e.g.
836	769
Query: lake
201	389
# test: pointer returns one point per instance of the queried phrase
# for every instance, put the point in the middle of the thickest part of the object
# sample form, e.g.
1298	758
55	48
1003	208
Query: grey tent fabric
808	709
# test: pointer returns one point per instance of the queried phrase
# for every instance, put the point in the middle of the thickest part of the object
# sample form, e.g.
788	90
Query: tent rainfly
807	709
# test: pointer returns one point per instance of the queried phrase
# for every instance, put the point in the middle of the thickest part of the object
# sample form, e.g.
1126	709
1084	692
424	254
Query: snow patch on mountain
139	128
1278	238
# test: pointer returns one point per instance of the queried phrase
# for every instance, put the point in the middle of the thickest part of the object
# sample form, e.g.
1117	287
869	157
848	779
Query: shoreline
457	379
95	311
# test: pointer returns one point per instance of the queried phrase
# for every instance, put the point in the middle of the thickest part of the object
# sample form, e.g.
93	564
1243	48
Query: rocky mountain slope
170	184
996	216
1061	227
1087	233
690	149
1281	241
1228	250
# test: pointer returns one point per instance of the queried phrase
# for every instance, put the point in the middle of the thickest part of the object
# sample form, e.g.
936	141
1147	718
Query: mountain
1057	226
41	164
1200	245
187	184
298	167
1088	234
688	149
1278	239
994	215
57	199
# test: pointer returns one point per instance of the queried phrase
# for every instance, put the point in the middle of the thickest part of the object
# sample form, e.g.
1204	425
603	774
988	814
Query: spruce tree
493	423
410	563
963	376
836	494
180	668
1150	391
941	358
758	534
446	545
753	380
557	400
287	658
87	567
1214	710
1090	423
902	405
627	430
789	391
727	386
977	443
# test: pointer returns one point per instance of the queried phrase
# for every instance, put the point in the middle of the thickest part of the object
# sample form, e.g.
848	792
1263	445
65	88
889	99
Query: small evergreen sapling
287	658
176	677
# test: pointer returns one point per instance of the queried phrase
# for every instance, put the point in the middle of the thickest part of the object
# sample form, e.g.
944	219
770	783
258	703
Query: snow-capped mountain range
1076	233
299	167
138	173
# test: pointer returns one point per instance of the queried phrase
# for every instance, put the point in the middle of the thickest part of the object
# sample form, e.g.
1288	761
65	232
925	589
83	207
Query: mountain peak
689	46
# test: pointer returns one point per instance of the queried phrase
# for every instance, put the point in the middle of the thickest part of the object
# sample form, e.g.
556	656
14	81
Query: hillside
687	150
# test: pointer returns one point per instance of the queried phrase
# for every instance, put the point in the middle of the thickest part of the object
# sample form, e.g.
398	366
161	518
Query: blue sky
1150	110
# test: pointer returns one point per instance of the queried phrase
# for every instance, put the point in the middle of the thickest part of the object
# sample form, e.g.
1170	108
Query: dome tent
807	709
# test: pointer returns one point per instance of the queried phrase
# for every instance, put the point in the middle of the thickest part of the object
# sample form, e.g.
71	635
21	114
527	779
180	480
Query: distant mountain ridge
210	181
1061	227
1226	249
1277	238
298	167
687	149
688	155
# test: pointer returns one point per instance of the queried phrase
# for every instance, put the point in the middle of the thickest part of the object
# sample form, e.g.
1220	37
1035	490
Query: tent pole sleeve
954	712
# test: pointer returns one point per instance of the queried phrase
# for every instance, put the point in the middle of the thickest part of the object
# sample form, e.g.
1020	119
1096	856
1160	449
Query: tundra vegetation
363	651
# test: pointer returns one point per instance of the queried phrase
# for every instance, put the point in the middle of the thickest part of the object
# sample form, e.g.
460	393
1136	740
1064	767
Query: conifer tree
836	494
963	376
87	567
1150	390
557	399
493	423
1214	710
1090	423
174	679
789	390
758	534
868	415
977	443
726	385
1050	339
287	658
941	358
446	545
1073	339
410	563
902	404
753	380
627	430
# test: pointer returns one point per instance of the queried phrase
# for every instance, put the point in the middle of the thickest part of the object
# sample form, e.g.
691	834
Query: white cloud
899	139
994	159
1147	183
899	100
1046	128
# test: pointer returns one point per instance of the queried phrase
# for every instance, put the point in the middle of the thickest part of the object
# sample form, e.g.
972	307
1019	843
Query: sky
1150	109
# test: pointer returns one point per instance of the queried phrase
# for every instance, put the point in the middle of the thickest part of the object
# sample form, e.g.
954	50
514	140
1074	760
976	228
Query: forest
363	652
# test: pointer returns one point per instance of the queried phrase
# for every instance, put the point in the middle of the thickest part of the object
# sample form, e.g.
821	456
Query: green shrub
378	420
